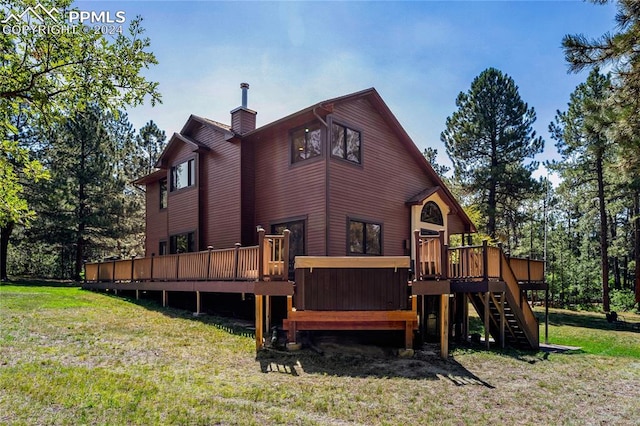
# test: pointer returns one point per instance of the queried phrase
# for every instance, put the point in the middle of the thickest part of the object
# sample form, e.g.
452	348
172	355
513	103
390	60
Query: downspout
326	180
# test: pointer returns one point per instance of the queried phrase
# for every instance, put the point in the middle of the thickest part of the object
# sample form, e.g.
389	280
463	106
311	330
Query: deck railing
268	261
430	262
526	269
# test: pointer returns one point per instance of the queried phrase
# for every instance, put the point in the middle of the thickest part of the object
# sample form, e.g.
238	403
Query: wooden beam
289	304
259	324
502	320
267	312
165	298
487	314
444	326
198	302
353	262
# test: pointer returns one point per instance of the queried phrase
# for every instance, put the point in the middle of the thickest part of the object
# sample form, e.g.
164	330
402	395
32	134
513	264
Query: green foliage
47	76
488	140
622	300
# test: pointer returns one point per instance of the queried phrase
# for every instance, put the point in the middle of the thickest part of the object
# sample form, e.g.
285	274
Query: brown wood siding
249	236
156	219
243	121
378	189
220	206
283	190
349	289
182	205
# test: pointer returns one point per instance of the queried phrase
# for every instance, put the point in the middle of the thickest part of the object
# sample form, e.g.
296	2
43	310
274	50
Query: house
342	175
359	208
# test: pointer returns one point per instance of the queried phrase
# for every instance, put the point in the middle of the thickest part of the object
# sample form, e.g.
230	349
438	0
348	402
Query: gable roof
177	138
372	95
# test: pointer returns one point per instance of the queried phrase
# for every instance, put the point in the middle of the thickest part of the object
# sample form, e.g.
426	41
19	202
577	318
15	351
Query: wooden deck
349	293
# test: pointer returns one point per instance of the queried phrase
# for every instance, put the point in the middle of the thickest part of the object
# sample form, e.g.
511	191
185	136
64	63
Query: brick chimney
243	120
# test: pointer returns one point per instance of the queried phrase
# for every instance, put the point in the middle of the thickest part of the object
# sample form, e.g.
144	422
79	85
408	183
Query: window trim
346	126
311	126
365	222
191	179
195	245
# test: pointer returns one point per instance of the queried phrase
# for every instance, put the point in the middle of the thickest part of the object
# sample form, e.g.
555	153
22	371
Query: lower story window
365	238
182	243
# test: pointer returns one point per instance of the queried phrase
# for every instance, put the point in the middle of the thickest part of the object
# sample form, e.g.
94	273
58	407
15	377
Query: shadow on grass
423	366
25	282
235	326
593	321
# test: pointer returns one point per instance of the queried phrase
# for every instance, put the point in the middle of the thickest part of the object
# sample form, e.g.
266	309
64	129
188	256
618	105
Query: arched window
431	214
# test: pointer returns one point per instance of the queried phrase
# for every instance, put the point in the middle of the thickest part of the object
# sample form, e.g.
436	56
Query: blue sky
418	55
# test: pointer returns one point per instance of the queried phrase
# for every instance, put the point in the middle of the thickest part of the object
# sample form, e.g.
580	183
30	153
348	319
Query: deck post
500	261
209	248
418	254
137	294
260	254
198	303
502	319
285	255
113	271
259	324
485	260
465	310
236	260
486	319
177	267
165	298
444	257
444	326
267	313
289	304
133	261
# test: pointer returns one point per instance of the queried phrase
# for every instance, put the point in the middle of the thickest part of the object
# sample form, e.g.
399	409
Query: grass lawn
69	356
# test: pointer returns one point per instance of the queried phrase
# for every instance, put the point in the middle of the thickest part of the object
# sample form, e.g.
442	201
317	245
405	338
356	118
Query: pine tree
582	142
488	140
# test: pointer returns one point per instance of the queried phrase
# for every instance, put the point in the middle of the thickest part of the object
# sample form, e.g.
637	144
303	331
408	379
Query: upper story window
431	214
306	143
163	193
345	143
183	175
365	238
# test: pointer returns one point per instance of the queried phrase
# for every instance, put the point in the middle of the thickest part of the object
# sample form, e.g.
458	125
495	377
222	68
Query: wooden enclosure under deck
352	293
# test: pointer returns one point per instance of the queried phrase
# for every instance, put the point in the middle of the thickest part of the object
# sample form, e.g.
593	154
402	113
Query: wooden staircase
510	318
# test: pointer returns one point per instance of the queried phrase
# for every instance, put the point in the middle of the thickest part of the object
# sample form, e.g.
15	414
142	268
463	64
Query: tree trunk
604	247
636	254
5	233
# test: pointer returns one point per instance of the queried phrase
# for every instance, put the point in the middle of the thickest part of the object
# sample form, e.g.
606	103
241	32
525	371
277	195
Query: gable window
183	175
431	214
306	143
163	193
364	237
345	143
182	243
